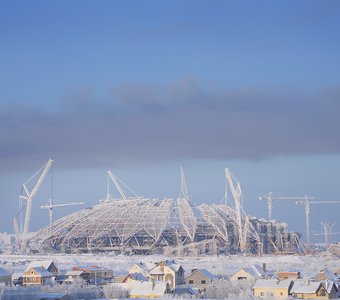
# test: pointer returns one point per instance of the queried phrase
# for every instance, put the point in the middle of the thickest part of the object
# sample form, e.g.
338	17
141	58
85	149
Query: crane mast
50	206
307	204
270	198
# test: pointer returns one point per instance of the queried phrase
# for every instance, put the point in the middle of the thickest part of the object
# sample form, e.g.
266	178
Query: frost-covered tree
115	292
224	289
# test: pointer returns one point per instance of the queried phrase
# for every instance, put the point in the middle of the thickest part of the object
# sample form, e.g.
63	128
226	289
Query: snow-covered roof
255	270
328	285
42	271
205	273
148	288
272	283
39	263
4	272
146	267
305	286
91	268
74	273
156	271
51	296
328	274
186	290
173	265
138	276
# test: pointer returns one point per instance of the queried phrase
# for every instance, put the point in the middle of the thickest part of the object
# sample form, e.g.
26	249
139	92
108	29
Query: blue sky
142	87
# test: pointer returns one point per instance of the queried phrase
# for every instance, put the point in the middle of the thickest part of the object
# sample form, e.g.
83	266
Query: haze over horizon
142	88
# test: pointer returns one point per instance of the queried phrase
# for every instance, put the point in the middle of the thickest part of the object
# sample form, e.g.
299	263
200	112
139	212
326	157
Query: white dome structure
167	226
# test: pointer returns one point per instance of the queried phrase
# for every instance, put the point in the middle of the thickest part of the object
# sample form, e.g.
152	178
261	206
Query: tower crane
307	204
50	207
270	199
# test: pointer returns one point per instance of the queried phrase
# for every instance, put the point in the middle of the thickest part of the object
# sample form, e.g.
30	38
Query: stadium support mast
237	193
184	187
117	185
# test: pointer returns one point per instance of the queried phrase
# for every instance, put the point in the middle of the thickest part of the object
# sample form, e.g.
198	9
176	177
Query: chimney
264	268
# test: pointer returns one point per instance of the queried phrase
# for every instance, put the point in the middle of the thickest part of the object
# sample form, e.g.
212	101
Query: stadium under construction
138	225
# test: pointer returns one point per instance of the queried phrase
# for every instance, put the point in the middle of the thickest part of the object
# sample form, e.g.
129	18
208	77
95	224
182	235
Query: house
49	265
168	271
326	274
306	289
265	288
250	273
135	277
36	276
77	276
119	278
199	278
142	268
294	275
5	277
98	275
149	289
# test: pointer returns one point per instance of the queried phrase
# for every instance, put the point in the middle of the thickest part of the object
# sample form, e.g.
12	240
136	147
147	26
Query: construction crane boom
307	205
28	196
270	198
50	206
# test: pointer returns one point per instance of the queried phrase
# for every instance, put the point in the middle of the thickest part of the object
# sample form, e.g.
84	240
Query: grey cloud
143	124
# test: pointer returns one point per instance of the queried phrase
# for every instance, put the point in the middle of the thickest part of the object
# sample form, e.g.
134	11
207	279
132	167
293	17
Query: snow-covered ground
309	265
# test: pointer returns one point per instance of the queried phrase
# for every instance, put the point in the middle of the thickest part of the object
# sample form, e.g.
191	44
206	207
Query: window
242	278
281	293
191	282
203	282
262	294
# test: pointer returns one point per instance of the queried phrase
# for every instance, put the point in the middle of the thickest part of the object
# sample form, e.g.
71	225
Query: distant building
49	265
306	289
142	268
274	288
199	278
5	277
36	276
294	275
77	276
98	275
250	273
168	271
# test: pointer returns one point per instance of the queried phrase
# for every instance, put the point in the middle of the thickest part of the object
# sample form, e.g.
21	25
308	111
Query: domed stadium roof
146	226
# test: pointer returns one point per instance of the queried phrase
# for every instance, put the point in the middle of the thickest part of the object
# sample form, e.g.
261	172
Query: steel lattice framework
174	227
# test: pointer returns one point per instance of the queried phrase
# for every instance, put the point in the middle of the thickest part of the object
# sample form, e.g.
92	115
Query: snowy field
309	265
